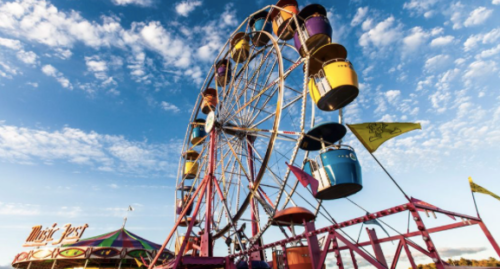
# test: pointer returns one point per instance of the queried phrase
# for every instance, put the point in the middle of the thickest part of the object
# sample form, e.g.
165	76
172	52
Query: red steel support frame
206	239
377	249
257	255
403	239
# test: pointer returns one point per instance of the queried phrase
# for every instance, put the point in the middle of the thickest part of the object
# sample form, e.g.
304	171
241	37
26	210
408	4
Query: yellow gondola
333	82
191	165
240	47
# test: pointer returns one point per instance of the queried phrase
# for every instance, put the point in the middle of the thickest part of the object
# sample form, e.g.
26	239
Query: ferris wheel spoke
270	86
273	114
265	83
273	175
236	157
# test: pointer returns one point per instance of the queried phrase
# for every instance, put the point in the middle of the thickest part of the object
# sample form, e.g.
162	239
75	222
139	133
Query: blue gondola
260	22
337	171
336	167
198	134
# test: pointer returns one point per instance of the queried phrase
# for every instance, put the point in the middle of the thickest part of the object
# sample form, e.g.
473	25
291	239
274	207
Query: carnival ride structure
250	118
117	249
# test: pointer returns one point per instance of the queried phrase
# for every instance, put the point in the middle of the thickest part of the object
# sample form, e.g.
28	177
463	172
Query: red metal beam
206	238
377	249
422	231
189	229
354	262
408	254
312	243
490	237
361	253
427	239
439	210
335	247
413	234
181	216
397	254
324	252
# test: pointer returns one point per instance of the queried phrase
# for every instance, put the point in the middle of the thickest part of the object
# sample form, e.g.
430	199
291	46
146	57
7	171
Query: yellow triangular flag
476	188
140	264
373	134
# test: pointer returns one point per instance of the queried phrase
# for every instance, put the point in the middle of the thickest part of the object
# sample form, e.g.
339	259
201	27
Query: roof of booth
119	238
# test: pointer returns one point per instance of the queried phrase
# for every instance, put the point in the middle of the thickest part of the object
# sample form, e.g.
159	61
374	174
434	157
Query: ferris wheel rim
274	134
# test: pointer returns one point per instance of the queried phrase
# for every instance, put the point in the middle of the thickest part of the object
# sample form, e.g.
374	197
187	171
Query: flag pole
473	196
475	204
393	180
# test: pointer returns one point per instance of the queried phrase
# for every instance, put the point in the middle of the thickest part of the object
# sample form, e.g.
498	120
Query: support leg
312	243
336	250
379	254
426	237
285	258
354	262
397	254
188	232
490	237
410	257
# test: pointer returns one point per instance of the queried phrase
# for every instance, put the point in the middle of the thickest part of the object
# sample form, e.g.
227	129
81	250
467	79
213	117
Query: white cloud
437	62
392	96
95	64
169	107
442	41
419	6
415	40
42	22
359	16
8	70
10	43
383	34
456	12
229	15
99	151
157	38
441	94
63	53
480	68
478	16
18	209
185	7
495	2
27	57
51	71
490	52
133	2
437	31
33	84
489	38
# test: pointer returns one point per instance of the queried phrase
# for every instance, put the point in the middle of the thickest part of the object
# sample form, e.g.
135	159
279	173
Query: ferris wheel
252	117
253	126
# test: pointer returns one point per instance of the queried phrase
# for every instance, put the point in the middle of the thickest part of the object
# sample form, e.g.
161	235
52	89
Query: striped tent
119	238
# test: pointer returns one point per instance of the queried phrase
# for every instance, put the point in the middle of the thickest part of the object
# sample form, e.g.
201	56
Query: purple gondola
314	27
222	72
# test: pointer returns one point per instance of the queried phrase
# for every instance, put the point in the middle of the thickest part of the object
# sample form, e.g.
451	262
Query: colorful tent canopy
118	238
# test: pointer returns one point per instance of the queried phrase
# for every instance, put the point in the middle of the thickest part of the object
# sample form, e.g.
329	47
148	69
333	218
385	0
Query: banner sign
39	237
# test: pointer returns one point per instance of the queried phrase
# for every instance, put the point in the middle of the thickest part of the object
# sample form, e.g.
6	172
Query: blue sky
95	97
